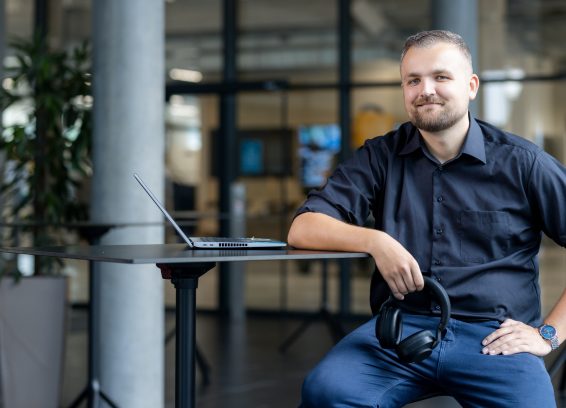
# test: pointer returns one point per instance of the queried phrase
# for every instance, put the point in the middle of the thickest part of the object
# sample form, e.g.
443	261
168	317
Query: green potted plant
45	143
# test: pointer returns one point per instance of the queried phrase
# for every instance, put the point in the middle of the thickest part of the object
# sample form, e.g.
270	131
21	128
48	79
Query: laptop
212	242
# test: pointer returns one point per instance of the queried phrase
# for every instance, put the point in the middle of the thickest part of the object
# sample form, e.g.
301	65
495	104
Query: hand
398	267
515	337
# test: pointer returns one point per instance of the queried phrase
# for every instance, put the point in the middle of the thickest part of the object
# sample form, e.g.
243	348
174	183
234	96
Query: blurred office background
253	103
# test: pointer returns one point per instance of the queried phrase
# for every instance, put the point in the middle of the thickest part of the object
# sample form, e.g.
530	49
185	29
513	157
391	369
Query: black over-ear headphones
418	346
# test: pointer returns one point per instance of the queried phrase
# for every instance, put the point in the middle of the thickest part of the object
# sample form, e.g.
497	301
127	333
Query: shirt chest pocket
484	235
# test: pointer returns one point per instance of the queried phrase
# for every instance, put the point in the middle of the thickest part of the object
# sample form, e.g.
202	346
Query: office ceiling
289	35
298	35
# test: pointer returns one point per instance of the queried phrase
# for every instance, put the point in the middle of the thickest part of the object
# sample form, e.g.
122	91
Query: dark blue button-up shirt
474	223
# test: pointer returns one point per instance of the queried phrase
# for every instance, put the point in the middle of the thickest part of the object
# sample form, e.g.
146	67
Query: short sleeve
350	192
547	189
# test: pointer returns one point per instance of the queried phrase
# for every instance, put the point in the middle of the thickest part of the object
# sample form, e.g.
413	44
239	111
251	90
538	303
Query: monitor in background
252	157
319	146
261	152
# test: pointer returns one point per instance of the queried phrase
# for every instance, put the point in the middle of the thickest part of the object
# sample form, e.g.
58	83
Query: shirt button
437	307
439	231
440	199
437	262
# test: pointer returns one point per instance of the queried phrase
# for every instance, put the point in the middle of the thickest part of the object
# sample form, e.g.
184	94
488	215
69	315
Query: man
465	203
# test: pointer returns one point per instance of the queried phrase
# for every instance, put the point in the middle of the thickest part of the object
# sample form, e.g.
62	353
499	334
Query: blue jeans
357	372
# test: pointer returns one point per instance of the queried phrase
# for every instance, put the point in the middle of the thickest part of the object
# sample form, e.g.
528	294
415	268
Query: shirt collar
473	145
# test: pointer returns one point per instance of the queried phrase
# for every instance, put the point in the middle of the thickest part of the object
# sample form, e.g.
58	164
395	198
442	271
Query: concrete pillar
2	56
2	44
2	155
461	17
496	105
128	89
2	41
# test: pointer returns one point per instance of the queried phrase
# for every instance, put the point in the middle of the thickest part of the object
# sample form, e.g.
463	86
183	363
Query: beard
430	121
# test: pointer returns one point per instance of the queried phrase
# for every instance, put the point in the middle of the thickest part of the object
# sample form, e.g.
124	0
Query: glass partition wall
288	85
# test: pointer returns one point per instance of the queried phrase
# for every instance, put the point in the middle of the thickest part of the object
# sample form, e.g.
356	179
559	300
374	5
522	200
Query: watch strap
554	343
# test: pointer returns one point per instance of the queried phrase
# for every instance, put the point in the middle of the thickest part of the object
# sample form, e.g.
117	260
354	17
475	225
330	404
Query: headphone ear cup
388	326
416	347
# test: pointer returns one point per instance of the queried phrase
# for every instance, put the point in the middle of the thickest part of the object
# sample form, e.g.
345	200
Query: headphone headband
442	298
419	345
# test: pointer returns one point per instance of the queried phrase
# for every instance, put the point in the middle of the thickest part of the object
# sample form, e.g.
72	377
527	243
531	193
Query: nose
427	87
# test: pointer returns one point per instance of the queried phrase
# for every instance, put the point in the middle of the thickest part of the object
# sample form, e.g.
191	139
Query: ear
474	86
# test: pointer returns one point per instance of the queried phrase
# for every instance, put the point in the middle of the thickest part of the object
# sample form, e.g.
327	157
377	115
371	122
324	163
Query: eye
413	82
442	78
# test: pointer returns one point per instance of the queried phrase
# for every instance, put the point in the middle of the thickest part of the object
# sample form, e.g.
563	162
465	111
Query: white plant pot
32	341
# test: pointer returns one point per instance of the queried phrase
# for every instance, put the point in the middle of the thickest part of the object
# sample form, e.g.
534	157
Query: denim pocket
484	235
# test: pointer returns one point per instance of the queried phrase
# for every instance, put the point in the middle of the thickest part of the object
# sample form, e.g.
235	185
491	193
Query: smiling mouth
421	105
428	102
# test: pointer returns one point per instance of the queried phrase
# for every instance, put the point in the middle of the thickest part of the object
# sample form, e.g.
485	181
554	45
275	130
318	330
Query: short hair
428	38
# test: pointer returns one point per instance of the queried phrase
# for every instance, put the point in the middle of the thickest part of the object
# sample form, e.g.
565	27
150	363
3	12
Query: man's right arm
398	267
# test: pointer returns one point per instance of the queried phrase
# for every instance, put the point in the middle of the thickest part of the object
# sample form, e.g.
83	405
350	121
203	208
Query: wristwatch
548	332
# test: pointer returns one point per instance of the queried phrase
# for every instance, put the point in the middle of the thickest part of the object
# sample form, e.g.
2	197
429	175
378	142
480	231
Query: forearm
557	317
319	231
397	266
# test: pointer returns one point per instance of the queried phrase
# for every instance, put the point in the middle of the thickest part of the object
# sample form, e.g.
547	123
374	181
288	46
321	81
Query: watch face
547	332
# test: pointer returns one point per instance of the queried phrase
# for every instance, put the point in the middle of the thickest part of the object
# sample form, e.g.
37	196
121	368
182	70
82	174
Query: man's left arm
547	187
516	337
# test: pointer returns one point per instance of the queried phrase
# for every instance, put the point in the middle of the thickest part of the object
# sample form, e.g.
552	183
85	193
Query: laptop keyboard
216	239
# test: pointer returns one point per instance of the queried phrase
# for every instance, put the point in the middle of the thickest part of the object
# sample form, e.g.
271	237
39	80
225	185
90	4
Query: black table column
185	279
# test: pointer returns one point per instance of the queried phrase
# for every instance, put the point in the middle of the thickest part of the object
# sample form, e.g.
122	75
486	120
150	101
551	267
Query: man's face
438	85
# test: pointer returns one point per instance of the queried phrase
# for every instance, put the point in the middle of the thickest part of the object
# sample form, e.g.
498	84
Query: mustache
429	99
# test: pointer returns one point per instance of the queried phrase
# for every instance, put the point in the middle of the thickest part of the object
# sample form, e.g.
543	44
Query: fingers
398	267
398	289
515	337
405	279
418	277
499	341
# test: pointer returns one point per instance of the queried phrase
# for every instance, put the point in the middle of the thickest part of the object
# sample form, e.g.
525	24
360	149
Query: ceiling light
186	75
